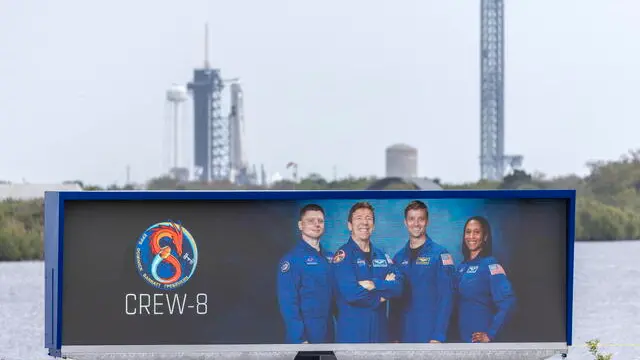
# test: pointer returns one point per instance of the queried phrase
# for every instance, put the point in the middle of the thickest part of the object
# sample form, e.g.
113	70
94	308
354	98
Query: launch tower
492	156
211	129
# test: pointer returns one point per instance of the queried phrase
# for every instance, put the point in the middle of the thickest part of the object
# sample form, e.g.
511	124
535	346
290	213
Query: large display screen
318	270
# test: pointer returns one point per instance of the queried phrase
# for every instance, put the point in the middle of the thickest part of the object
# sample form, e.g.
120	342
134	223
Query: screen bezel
54	271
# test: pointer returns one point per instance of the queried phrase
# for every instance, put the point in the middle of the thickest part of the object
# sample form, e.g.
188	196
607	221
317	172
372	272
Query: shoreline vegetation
607	209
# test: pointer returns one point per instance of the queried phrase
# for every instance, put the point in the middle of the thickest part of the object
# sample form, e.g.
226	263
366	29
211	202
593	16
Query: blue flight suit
423	313
485	297
305	294
362	316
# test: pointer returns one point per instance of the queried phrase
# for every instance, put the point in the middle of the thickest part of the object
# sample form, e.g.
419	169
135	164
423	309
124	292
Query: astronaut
422	315
485	298
365	278
305	283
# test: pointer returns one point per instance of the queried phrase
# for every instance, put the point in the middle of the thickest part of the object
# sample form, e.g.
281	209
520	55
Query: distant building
401	161
180	174
33	191
399	182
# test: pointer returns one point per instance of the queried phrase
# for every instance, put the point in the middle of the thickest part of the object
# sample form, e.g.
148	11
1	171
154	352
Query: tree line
608	201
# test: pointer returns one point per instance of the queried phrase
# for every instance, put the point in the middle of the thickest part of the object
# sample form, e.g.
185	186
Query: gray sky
327	83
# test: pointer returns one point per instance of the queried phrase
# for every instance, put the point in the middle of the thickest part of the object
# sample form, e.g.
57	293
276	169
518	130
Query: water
607	303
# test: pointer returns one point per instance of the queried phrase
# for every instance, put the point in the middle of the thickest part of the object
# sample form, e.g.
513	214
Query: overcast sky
327	83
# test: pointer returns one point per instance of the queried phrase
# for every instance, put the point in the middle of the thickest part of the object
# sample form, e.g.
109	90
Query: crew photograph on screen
423	271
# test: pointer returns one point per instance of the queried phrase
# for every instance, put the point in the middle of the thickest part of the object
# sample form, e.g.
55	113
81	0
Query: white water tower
176	95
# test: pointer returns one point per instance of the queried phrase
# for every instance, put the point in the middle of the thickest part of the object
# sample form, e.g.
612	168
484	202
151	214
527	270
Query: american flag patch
496	269
446	259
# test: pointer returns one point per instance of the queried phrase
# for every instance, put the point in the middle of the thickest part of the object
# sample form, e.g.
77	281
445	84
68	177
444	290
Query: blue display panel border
54	229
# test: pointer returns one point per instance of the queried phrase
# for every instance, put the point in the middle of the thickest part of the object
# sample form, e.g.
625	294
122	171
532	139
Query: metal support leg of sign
316	355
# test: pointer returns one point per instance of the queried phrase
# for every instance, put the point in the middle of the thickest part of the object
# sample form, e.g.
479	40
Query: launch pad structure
219	153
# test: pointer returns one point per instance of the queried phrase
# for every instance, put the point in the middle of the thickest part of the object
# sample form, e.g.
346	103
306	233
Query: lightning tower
211	129
492	156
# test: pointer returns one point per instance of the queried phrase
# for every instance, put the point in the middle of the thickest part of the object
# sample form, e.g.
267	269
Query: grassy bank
21	228
608	205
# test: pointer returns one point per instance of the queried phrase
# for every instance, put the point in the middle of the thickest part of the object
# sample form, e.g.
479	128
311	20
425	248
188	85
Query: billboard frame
54	205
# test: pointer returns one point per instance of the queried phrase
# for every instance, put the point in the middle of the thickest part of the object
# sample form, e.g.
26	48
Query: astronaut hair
311	207
416	205
361	205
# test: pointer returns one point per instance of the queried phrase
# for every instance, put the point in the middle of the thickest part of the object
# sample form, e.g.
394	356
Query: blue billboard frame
54	204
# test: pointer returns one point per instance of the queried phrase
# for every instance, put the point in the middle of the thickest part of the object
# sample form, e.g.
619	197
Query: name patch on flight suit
311	261
423	260
379	263
472	269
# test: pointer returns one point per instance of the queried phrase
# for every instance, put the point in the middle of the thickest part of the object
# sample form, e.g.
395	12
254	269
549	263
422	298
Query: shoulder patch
339	256
496	269
389	259
446	259
285	266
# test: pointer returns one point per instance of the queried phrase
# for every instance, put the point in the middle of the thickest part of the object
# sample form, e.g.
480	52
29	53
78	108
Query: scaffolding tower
492	155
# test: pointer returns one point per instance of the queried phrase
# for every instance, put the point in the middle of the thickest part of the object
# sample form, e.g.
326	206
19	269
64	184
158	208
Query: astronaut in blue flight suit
305	283
365	279
422	314
485	299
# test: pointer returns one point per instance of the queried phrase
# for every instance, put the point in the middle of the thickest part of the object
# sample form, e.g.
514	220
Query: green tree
608	204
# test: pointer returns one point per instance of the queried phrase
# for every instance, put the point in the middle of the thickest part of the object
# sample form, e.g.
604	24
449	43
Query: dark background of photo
241	242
